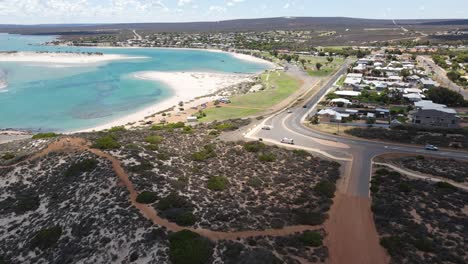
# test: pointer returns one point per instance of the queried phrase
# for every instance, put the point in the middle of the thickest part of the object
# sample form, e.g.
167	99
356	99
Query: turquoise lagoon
46	97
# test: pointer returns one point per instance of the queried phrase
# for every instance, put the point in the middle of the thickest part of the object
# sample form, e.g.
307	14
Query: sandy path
352	236
78	144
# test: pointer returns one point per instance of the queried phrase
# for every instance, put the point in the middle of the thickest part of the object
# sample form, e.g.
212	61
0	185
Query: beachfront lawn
327	66
278	86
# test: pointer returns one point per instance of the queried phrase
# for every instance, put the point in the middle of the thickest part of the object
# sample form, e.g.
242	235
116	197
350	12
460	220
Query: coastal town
288	140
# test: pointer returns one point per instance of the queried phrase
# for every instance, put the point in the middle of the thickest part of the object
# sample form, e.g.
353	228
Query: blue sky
110	11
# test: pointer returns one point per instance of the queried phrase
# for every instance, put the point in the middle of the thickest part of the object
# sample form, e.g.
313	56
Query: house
414	97
413	78
430	114
428	83
352	79
191	119
340	101
330	115
348	93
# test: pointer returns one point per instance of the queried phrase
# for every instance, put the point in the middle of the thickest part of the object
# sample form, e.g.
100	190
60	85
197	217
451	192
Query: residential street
351	220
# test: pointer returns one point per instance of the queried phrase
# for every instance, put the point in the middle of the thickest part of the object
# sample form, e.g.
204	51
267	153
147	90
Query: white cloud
287	5
216	9
184	2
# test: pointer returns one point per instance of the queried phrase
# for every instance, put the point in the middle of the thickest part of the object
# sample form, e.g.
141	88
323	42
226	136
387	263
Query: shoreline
64	58
202	86
240	56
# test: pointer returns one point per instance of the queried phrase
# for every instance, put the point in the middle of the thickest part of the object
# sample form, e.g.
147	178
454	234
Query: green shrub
27	202
424	244
157	127
117	129
106	142
154	139
152	147
267	157
254	146
187	130
255	182
147	197
445	185
144	166
185	219
176	125
325	188
80	167
225	127
310	218
173	200
46	238
392	244
405	187
419	157
311	239
207	152
301	153
45	135
8	156
163	156
187	247
381	172
218	183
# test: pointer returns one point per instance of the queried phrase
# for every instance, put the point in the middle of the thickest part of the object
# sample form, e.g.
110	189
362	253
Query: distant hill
261	24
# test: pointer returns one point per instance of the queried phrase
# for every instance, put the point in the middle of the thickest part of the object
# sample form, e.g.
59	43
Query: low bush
117	129
310	218
207	152
311	239
187	130
106	142
255	182
163	156
218	183
225	127
144	166
254	146
267	157
301	153
154	139
80	167
27	202
152	147
173	200
45	135
46	238
325	188
147	197
445	185
8	156
392	244
187	247
185	219
176	125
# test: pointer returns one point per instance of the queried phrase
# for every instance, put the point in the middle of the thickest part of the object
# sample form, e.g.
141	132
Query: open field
278	86
327	67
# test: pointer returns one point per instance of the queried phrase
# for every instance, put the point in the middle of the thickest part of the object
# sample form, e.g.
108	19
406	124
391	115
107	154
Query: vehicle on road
289	111
266	127
431	147
289	141
305	106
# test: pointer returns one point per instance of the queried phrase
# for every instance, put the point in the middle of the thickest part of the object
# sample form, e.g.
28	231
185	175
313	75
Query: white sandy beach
186	86
63	58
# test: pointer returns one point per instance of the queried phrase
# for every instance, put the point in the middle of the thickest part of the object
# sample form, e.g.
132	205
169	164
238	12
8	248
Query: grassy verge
278	86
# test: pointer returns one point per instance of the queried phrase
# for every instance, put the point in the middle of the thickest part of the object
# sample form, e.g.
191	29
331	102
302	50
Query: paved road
441	75
360	152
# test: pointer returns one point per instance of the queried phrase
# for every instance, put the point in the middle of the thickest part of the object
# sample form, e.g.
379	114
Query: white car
266	127
289	111
431	147
289	141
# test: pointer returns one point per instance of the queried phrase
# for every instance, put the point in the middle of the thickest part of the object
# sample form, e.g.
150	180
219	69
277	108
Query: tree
445	96
376	72
329	59
318	65
303	61
453	76
405	73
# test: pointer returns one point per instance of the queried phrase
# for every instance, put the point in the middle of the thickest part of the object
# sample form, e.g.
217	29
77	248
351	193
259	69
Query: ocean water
48	97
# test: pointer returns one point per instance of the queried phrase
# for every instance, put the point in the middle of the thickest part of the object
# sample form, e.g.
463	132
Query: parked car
289	141
289	111
304	106
266	127
431	147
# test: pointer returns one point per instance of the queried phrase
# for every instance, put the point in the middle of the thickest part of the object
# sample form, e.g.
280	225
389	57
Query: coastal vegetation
45	135
278	87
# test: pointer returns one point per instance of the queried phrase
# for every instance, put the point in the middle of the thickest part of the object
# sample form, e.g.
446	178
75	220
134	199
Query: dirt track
78	144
